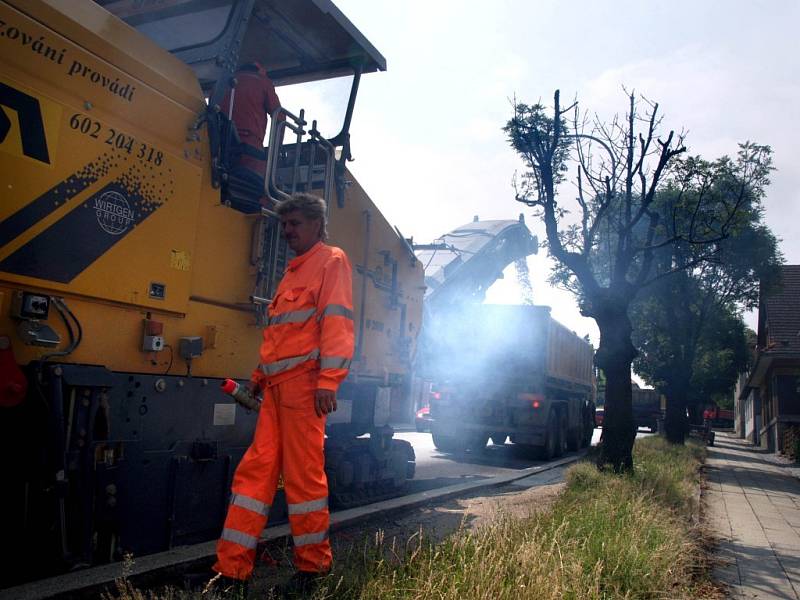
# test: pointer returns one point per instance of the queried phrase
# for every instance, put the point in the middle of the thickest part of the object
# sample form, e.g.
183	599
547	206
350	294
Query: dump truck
136	269
646	405
498	371
509	371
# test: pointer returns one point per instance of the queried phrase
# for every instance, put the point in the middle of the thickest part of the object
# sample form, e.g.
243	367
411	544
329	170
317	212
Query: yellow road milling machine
136	268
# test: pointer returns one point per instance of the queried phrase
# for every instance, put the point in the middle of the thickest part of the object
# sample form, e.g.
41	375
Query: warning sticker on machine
225	414
180	260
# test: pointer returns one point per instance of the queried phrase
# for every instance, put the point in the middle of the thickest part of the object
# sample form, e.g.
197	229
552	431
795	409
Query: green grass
607	536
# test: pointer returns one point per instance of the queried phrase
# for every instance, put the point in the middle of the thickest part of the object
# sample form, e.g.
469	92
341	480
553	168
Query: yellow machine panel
84	183
106	194
388	285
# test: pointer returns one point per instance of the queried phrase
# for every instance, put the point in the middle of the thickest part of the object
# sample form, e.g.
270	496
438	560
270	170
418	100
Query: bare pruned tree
605	249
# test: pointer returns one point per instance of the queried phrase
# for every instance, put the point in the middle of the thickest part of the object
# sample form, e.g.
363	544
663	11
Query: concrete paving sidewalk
753	506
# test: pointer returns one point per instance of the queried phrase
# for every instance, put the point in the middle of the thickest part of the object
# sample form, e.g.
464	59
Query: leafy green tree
691	359
722	354
605	252
691	340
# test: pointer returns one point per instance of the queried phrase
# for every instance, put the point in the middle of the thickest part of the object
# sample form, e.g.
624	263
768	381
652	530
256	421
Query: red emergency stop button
13	384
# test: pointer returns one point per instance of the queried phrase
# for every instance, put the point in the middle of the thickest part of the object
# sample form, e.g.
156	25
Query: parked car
598	416
423	419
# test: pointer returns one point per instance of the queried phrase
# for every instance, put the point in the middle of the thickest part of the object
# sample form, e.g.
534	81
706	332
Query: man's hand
324	402
254	388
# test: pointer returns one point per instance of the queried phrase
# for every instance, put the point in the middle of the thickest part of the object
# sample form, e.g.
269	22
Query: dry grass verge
607	536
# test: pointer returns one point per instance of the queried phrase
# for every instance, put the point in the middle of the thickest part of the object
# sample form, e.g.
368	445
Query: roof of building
782	312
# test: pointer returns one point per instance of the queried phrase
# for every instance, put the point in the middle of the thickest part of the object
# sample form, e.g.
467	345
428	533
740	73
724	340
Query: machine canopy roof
295	40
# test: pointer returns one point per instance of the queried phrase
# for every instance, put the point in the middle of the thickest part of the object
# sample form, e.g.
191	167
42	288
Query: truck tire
444	443
588	431
476	441
574	438
550	448
410	457
561	448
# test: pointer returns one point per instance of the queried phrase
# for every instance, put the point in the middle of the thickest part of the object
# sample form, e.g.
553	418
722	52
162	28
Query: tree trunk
614	356
676	424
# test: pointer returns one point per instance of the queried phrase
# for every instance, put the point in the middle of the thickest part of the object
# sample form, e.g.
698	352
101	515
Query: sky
426	134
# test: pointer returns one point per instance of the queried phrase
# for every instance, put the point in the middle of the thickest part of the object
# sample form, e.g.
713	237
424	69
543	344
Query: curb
107	574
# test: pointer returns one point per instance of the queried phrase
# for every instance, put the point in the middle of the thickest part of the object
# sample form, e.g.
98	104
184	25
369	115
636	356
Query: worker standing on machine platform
254	99
306	353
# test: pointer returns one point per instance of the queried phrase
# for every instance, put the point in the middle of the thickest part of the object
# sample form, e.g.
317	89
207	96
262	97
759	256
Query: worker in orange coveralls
254	98
305	355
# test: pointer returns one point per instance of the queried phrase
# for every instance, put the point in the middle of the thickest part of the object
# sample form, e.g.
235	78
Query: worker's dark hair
310	206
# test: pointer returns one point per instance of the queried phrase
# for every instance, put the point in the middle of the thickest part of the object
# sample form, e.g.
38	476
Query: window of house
787	394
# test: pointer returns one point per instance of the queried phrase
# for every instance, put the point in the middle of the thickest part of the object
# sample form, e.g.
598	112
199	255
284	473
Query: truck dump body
504	370
507	341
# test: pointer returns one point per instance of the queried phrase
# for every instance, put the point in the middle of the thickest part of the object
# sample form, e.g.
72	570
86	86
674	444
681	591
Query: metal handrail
310	139
296	124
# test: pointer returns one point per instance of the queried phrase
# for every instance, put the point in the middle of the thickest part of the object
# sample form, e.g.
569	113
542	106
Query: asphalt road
438	469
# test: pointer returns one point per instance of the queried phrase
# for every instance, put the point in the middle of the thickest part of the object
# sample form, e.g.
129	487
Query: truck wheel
476	441
574	437
407	451
588	426
561	447
498	439
588	431
444	443
548	451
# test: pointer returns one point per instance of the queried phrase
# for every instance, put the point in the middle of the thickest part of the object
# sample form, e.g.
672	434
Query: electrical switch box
27	305
153	335
152	343
190	347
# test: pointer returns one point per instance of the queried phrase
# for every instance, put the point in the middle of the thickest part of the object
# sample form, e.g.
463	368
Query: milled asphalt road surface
439	469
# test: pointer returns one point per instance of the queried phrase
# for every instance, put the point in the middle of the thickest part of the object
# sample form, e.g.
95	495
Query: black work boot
302	584
220	586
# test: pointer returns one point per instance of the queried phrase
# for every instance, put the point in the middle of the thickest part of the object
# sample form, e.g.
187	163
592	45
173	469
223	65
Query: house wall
767	432
748	415
740	406
781	405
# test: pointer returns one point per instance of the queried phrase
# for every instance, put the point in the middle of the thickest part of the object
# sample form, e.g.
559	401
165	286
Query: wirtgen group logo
114	214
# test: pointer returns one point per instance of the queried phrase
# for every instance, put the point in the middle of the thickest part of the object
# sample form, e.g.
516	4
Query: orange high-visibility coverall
308	345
